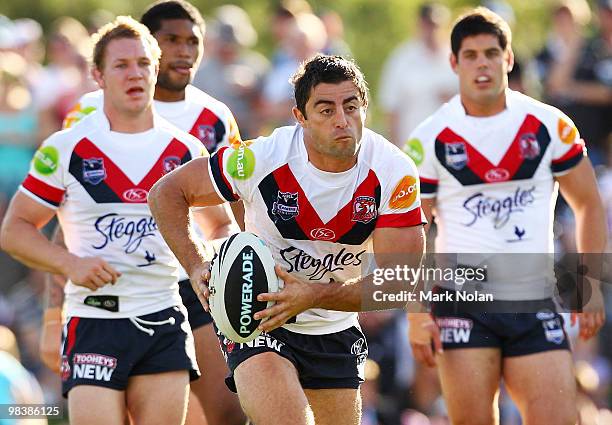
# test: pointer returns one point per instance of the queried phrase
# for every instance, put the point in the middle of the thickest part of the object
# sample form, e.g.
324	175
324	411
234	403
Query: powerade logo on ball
249	274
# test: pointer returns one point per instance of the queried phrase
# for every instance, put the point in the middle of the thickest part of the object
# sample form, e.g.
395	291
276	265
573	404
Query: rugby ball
242	269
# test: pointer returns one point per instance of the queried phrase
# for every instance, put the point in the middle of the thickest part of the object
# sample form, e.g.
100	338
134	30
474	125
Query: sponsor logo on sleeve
46	160
414	149
241	163
567	132
404	194
77	114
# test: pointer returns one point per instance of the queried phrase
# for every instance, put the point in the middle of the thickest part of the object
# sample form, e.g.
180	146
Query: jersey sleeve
236	171
400	204
567	147
45	182
420	149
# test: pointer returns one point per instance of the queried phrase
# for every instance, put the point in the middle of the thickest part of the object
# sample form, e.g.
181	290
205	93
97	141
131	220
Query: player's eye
327	111
194	41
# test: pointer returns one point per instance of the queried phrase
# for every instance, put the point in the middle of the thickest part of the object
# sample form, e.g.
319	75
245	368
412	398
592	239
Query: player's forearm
54	291
24	242
367	292
591	228
54	283
170	209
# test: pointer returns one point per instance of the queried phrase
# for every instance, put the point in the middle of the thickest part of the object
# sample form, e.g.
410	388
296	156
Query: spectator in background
306	37
66	77
583	79
569	19
335	35
18	125
283	20
232	72
416	78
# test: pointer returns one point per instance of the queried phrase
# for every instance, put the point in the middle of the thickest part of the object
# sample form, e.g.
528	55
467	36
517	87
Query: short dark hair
326	69
480	21
171	9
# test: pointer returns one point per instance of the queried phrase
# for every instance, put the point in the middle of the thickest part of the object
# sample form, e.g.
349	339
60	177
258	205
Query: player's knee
561	414
468	417
230	414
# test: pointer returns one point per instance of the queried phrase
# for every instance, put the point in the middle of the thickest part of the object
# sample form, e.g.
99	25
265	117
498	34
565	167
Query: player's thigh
195	413
335	406
270	392
470	380
158	399
220	405
543	386
94	405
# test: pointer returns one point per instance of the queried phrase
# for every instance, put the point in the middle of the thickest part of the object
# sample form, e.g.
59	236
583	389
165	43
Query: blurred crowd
44	72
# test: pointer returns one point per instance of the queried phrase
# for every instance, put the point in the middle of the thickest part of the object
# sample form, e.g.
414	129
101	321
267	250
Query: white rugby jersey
317	224
199	114
492	178
89	175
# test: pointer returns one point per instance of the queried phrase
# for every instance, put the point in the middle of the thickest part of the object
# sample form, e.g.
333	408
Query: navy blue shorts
107	352
334	360
198	317
516	334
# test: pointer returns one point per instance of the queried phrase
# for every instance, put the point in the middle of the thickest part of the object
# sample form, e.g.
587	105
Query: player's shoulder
427	131
535	107
85	106
202	99
381	155
169	131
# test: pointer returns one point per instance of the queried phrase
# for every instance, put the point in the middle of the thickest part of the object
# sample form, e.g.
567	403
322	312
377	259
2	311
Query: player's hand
592	317
91	272
423	330
199	278
295	297
50	339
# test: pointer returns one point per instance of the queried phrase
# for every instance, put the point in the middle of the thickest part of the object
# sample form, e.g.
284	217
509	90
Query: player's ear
301	119
97	76
510	59
453	62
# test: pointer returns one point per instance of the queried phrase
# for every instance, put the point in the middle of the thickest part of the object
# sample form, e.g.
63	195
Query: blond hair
122	27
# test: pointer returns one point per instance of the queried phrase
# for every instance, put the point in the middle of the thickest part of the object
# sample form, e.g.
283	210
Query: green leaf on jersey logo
414	149
46	160
241	163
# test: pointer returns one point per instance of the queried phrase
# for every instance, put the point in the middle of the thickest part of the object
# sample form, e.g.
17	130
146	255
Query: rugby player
127	330
324	196
489	162
179	29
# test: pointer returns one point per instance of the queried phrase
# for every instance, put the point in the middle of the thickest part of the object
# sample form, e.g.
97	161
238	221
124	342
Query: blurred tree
373	27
